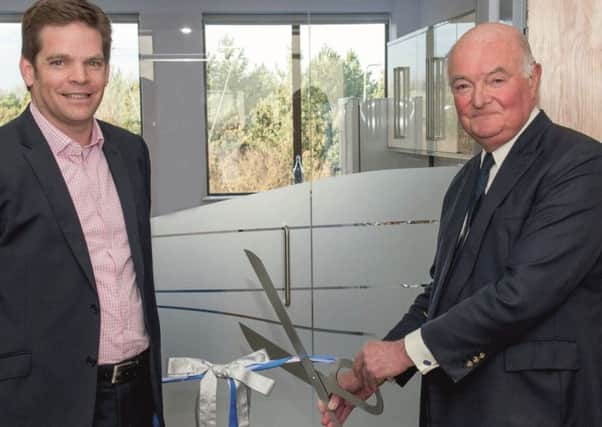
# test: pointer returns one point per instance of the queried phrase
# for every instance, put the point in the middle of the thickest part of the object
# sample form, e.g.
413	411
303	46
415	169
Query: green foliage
354	77
120	105
250	118
227	72
12	104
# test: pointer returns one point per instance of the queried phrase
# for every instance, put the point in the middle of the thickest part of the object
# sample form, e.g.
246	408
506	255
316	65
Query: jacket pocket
15	366
542	356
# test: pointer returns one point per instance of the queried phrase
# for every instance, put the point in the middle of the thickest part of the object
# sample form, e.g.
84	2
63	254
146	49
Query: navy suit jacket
49	308
515	321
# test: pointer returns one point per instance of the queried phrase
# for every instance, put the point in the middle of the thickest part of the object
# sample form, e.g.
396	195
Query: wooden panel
566	38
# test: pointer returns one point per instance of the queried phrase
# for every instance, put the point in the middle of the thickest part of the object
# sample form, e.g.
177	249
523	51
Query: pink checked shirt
93	191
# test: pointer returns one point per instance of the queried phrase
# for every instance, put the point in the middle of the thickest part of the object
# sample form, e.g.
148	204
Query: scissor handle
333	386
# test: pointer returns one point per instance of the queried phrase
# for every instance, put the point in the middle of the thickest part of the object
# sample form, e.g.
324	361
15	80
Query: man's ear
535	76
28	72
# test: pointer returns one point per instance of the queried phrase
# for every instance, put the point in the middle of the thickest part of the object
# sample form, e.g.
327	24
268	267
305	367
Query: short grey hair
528	59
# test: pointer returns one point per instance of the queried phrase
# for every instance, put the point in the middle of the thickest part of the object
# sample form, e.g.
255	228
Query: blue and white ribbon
241	375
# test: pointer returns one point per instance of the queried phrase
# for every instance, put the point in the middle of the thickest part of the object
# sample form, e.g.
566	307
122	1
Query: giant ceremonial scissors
324	385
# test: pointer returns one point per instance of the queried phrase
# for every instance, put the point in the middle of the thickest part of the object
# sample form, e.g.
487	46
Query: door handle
287	265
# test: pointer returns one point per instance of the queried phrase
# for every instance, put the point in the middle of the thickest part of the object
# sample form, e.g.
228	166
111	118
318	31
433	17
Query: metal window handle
436	90
287	265
401	101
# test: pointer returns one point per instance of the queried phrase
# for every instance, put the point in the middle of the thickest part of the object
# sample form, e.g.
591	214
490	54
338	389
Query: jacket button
476	360
90	361
481	355
94	308
469	364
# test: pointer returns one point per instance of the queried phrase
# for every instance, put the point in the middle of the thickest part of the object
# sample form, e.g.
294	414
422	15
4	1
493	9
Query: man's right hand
339	406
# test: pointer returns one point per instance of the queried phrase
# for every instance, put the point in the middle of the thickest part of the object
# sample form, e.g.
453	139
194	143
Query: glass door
248	112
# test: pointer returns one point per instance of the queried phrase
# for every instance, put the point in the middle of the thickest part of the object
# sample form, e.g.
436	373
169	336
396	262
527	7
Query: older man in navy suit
508	333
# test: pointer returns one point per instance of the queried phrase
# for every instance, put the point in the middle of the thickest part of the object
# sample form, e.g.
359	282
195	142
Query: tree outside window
250	89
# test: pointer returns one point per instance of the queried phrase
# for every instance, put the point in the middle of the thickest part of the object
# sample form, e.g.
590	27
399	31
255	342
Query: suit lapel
126	197
519	160
40	158
449	240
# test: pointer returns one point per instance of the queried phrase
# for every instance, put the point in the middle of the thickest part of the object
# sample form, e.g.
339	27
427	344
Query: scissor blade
272	294
258	342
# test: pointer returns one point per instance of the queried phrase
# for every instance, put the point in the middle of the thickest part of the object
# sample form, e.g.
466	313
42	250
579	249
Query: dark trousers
125	405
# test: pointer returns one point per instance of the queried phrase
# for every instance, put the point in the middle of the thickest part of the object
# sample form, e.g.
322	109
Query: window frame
295	21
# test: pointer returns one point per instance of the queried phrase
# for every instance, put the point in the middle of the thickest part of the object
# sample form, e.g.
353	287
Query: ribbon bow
239	378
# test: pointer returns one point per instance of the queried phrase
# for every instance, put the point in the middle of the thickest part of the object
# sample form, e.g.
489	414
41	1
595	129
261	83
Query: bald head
492	32
495	83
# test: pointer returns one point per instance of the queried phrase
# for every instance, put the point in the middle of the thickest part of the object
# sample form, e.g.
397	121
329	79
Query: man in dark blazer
508	333
79	329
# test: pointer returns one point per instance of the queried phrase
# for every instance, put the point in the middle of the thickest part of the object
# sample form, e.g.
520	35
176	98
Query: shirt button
90	361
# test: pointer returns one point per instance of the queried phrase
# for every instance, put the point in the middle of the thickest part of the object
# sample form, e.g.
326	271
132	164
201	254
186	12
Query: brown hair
60	13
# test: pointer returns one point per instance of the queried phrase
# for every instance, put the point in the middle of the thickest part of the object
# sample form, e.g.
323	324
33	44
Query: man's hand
379	361
339	406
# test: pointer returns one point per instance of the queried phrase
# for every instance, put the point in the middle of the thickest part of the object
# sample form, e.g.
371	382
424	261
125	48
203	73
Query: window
121	103
274	92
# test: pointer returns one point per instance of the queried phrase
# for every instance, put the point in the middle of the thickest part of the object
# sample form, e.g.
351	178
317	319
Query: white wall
410	17
433	11
404	17
428	12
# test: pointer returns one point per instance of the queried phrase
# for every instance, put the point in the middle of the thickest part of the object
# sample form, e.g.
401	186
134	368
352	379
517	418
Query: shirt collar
501	153
57	140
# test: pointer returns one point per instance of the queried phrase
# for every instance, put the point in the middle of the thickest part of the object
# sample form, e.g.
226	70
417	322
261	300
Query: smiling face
68	78
492	94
